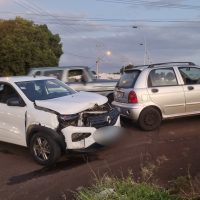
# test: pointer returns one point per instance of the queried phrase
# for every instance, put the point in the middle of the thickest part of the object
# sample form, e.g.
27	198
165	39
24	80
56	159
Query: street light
145	43
108	53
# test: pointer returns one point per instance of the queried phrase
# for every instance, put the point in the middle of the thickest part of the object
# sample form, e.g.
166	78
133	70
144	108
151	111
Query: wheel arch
58	137
148	120
152	106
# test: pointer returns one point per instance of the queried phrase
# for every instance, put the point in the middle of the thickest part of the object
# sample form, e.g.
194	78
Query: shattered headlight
68	120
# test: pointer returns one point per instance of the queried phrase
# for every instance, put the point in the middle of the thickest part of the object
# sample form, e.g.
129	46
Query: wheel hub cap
41	148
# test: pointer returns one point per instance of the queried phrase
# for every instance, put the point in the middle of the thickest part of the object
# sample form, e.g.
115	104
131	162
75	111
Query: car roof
162	65
141	68
57	68
13	79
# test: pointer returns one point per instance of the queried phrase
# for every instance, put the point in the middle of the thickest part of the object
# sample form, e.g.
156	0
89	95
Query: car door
12	118
191	80
76	78
165	91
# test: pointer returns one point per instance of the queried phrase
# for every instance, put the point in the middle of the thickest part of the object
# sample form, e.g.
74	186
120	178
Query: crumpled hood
74	103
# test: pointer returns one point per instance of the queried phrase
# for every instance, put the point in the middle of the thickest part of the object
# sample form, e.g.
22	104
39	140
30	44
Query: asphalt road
174	147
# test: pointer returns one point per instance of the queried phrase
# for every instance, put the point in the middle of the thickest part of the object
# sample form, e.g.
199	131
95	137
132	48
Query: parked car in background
49	117
148	94
79	78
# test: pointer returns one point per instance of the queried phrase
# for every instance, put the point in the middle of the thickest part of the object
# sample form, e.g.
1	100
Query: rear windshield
128	79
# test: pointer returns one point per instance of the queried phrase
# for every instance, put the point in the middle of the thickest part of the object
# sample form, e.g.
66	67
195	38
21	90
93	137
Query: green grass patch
123	189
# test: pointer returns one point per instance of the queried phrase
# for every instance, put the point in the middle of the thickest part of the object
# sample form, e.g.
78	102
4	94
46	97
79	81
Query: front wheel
150	119
44	149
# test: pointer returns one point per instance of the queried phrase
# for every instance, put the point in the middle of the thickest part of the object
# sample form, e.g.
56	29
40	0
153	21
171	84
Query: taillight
132	97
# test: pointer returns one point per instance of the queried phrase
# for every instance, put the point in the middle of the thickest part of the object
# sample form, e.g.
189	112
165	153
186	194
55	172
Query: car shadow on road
174	124
12	149
72	162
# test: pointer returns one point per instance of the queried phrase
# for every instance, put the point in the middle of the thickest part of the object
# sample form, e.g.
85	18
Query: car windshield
128	79
44	89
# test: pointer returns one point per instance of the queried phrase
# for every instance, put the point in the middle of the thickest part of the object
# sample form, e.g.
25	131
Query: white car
49	117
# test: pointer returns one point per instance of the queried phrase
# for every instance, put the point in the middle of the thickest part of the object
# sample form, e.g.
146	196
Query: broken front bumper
83	137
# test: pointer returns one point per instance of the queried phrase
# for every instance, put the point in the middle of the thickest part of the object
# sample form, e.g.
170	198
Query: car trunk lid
125	85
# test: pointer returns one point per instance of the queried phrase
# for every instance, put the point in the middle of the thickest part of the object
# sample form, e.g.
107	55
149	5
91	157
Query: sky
169	29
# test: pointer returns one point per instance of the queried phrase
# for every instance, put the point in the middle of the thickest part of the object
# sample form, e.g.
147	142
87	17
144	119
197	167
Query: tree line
24	44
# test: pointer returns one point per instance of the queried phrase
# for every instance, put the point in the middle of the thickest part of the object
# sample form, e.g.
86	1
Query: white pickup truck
79	78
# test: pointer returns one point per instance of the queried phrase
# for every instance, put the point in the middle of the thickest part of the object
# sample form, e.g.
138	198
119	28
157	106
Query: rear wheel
150	119
44	149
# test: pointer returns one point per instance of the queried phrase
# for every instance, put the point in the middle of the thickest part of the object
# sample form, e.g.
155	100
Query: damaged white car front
57	118
88	127
84	119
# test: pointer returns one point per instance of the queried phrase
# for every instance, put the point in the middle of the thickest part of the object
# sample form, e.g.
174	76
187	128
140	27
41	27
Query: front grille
101	120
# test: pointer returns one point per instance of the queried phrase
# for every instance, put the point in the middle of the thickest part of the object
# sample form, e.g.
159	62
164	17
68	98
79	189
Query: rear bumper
100	136
131	111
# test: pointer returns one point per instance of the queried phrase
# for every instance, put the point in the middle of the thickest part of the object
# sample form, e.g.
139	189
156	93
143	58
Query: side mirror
15	101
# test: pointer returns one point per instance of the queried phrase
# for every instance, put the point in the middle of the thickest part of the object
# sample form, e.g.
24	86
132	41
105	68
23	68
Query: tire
150	119
44	149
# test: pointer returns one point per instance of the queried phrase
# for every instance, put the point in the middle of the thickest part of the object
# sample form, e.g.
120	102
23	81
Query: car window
54	73
7	92
128	79
75	75
52	87
44	89
190	75
38	73
162	77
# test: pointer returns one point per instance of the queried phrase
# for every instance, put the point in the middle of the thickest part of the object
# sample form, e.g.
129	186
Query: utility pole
107	53
145	44
97	66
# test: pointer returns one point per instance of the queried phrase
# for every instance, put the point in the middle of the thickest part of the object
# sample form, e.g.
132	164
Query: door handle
154	90
190	88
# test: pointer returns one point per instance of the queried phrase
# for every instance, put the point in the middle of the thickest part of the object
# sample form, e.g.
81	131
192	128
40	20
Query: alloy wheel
41	148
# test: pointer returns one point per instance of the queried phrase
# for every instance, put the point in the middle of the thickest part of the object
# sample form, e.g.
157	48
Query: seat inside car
7	93
30	91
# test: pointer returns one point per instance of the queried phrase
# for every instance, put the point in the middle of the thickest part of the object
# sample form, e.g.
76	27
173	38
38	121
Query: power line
36	10
56	18
117	20
159	4
80	56
39	11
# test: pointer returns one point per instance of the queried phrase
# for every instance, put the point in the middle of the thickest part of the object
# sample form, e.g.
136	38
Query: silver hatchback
148	94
